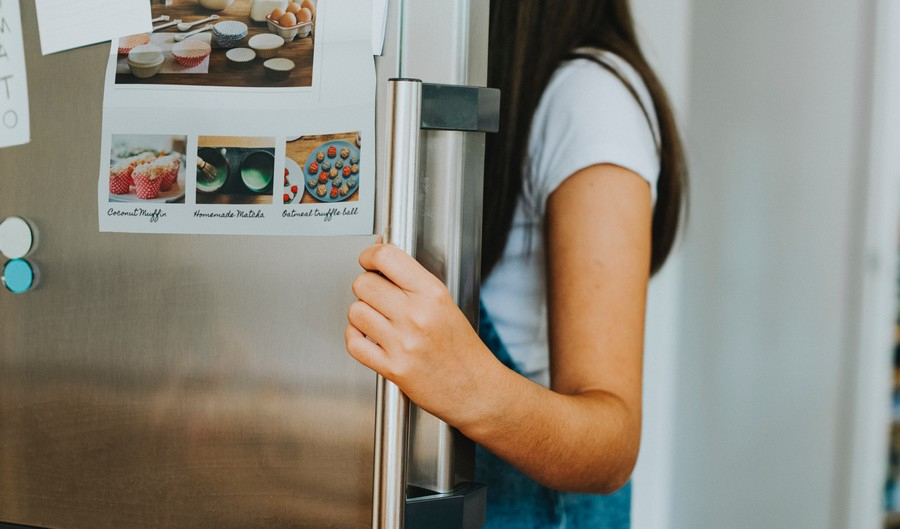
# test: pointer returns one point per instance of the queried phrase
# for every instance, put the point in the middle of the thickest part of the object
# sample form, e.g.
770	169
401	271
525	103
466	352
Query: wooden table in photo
220	72
299	150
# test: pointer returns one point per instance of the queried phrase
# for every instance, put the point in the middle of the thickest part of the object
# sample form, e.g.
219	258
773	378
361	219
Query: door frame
867	415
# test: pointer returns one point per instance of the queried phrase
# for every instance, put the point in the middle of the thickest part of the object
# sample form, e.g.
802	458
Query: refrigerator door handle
414	106
392	406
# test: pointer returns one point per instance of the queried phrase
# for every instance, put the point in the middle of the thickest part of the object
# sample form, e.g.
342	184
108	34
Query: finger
365	351
396	265
380	293
369	322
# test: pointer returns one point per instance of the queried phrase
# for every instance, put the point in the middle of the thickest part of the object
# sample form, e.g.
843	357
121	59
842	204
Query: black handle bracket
460	108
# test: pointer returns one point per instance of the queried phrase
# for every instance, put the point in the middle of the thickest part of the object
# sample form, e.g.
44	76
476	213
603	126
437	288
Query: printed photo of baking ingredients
147	168
243	43
235	170
322	168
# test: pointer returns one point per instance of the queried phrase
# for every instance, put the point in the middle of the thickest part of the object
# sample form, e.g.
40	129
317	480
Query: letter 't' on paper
14	121
65	24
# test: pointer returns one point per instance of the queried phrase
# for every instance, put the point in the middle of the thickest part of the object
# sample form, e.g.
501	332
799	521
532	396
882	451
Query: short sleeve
585	117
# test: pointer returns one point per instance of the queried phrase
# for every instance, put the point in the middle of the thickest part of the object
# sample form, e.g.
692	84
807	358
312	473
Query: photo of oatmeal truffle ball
334	166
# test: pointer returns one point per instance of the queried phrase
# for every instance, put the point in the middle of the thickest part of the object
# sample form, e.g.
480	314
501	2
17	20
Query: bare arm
582	434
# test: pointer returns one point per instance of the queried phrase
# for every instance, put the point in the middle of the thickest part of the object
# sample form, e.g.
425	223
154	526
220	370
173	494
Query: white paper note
232	149
379	24
14	122
65	24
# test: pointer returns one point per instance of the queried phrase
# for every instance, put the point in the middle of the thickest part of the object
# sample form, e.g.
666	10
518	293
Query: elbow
614	466
615	480
605	476
612	469
614	476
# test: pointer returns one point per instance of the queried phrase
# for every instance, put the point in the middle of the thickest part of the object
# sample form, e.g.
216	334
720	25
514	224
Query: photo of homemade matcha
235	170
322	168
147	168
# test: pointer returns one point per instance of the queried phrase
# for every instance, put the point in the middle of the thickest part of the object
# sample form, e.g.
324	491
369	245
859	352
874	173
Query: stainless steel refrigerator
173	381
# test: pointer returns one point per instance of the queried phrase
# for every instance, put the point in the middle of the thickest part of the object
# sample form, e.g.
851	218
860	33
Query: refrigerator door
164	381
160	381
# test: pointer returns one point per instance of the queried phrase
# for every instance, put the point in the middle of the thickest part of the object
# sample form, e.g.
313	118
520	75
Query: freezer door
160	381
445	42
437	41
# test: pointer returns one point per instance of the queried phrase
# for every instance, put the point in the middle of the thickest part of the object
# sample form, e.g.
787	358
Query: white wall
778	129
868	411
767	373
664	31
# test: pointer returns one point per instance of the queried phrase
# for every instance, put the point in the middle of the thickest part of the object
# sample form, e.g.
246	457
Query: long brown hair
529	39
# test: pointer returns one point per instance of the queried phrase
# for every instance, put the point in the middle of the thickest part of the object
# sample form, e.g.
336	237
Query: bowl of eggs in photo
294	20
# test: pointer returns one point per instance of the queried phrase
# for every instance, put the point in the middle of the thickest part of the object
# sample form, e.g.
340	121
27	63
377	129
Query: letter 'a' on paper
14	120
67	24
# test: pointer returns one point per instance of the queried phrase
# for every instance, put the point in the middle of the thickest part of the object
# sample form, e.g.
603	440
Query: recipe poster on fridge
241	117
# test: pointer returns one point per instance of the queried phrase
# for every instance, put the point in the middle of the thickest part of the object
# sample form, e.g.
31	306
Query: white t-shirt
586	116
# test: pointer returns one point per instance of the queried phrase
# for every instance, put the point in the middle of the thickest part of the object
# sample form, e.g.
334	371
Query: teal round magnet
18	276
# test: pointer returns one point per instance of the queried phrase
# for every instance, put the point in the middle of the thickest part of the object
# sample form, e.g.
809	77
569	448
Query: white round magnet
16	237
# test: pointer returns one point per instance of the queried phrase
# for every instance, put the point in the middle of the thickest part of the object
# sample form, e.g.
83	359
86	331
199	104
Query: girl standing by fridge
583	192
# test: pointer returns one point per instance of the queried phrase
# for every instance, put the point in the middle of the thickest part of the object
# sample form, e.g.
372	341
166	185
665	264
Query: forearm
586	442
582	437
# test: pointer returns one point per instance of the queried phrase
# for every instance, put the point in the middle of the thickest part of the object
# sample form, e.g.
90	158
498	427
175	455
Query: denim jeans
515	501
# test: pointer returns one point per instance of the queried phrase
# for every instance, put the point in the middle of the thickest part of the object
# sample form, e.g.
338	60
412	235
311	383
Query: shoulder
600	90
582	92
586	116
584	73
